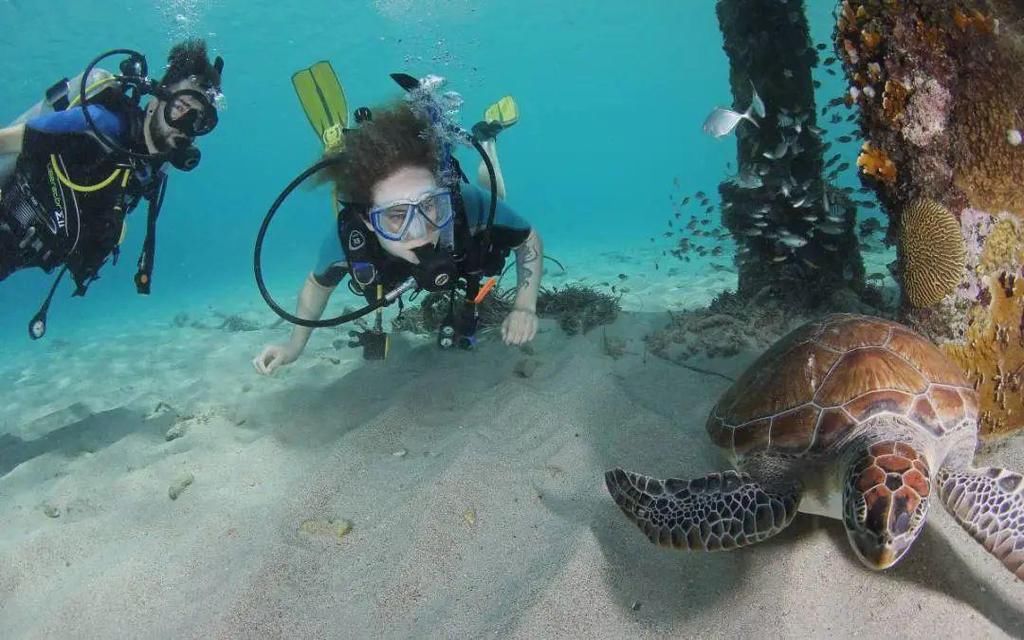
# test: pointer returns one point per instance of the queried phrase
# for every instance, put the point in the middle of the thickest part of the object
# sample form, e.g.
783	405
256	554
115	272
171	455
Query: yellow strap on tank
89	89
84	188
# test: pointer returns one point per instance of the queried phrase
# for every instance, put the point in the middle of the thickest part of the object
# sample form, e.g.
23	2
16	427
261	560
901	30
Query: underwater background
153	484
612	96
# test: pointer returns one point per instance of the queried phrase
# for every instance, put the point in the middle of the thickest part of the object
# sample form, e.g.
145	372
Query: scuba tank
58	97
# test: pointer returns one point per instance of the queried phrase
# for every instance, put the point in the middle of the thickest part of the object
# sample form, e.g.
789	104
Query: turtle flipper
989	504
720	511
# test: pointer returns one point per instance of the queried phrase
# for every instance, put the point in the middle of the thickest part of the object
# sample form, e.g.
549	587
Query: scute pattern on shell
814	387
931	251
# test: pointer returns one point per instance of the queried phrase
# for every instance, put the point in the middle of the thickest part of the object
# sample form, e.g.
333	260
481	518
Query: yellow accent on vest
83	188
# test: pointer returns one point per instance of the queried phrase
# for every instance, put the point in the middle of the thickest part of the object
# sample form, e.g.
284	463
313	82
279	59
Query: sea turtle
851	417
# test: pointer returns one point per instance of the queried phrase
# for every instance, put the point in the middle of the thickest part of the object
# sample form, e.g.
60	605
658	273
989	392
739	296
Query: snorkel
437	270
135	83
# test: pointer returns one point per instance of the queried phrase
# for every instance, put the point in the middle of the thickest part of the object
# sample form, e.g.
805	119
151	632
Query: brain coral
931	252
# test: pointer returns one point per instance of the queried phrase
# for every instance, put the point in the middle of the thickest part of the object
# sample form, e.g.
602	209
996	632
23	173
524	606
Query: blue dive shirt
73	121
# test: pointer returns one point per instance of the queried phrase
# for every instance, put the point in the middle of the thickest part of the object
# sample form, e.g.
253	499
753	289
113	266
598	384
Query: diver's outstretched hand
519	327
273	357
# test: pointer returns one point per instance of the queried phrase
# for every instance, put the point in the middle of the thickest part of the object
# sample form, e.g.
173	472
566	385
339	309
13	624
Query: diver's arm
529	260
11	139
312	302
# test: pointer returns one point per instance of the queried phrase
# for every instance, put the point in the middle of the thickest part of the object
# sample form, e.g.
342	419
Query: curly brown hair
190	58
394	139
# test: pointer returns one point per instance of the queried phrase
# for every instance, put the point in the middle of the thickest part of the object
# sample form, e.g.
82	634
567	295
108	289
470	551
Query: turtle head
885	500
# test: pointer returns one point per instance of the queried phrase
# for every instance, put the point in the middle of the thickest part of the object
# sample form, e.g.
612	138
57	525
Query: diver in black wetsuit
81	169
403	216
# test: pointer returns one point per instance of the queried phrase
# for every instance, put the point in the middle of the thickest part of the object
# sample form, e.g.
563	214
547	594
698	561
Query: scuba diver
76	164
408	219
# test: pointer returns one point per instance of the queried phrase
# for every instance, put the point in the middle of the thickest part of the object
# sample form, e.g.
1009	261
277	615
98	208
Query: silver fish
755	101
811	218
721	121
751	232
831	229
747	180
778	152
793	241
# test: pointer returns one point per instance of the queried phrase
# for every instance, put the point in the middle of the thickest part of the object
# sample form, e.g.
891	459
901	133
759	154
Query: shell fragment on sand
325	529
181	483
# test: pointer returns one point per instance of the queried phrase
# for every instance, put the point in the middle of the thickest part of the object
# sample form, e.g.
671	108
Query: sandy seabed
434	495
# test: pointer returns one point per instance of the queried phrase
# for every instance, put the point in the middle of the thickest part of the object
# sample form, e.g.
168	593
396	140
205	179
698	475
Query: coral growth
942	75
931	253
987	167
927	112
733	324
951	138
1004	246
992	355
577	308
875	163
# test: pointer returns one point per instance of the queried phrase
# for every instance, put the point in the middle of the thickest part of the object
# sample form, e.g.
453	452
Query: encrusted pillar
940	87
795	232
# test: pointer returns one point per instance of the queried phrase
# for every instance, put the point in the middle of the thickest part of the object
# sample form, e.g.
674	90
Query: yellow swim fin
499	116
505	112
324	102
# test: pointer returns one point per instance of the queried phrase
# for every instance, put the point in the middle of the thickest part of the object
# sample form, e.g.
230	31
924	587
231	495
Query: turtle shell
820	383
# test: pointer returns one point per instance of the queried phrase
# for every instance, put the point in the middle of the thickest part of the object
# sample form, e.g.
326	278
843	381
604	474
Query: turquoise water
612	96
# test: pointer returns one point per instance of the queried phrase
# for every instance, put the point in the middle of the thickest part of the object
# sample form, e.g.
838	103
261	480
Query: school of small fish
798	213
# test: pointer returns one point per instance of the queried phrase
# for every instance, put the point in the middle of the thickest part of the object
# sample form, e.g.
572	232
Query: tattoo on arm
526	265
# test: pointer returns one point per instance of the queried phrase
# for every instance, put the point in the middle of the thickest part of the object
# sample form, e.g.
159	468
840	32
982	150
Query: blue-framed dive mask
404	220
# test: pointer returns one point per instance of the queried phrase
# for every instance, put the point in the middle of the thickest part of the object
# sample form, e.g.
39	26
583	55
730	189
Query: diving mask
404	220
191	111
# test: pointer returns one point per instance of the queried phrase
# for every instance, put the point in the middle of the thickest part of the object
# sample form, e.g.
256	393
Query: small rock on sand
526	367
51	511
180	484
325	529
175	432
